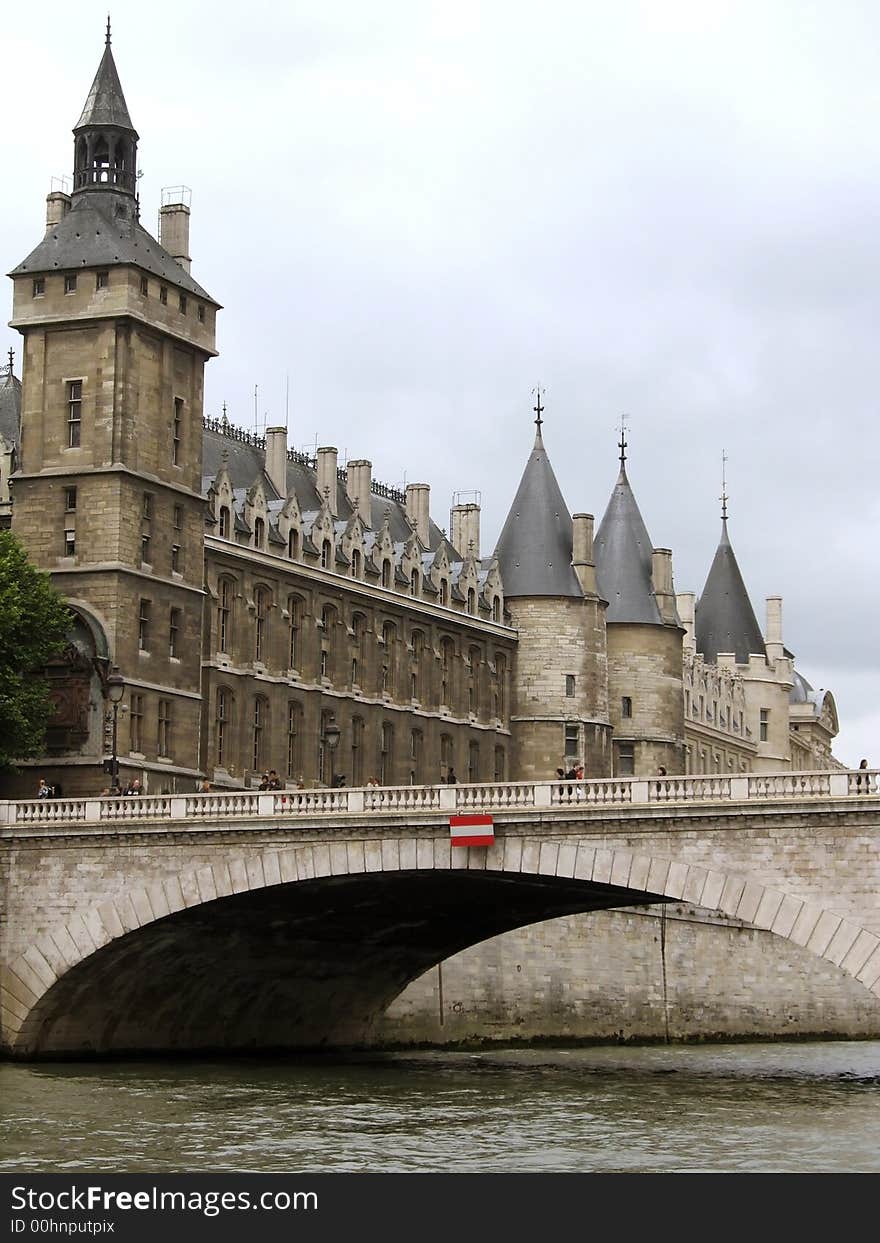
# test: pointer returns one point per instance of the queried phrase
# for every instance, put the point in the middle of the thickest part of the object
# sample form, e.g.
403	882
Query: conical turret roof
725	620
535	546
105	104
624	555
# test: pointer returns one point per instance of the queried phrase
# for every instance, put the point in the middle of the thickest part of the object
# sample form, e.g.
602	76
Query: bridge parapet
411	800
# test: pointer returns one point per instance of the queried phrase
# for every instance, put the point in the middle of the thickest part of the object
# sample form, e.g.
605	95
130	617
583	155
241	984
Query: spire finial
538	408
723	497
11	359
621	444
107	38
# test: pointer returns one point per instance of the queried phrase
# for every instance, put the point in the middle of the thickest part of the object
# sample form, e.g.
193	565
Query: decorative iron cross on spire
723	497
621	444
538	409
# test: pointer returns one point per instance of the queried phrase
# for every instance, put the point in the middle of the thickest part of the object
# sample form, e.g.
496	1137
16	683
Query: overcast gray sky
413	213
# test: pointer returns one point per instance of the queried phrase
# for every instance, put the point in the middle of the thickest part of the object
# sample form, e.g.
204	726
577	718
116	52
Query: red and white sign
471	830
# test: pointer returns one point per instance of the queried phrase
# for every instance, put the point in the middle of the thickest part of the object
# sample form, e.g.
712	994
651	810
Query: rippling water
774	1108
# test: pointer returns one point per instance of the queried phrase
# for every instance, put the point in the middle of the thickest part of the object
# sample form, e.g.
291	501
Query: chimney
174	225
418	497
686	602
358	481
582	552
464	522
774	645
328	478
661	582
57	207
276	458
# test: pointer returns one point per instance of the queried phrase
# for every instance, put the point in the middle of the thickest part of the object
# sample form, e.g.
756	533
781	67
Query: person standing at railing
863	781
133	787
451	779
43	790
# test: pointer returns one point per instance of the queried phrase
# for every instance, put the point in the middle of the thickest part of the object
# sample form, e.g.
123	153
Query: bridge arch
46	993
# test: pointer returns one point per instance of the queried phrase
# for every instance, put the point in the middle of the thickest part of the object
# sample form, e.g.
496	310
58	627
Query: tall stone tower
108	495
644	638
560	697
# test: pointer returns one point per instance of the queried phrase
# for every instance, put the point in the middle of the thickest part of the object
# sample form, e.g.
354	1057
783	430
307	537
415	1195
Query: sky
416	213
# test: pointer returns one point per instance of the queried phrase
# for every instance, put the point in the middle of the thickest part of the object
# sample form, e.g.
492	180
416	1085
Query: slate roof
105	103
100	231
10	409
624	555
535	546
725	620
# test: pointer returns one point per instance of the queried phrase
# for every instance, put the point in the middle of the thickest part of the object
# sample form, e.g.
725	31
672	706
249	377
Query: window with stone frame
500	764
259	533
294	739
474	663
447	667
388	657
225	602
358	633
386	572
164	738
500	704
471	600
136	723
177	537
293	543
356	563
225	522
326	555
177	432
259	723
74	413
328	642
357	751
147	528
473	761
262	606
416	678
174	623
446	754
416	755
222	721
626	763
144	609
294	622
386	753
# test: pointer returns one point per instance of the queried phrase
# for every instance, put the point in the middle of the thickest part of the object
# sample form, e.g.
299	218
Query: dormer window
259	533
386	573
326	554
224	522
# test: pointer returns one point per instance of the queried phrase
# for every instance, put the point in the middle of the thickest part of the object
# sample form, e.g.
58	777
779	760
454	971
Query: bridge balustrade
462	798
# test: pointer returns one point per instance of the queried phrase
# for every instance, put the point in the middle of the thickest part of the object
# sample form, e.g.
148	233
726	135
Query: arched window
326	555
225	597
294	617
358	632
471	600
294	739
225	522
416	667
500	684
262	603
328	641
386	572
293	543
259	533
444	591
496	608
356	563
414	583
259	723
474	662
221	724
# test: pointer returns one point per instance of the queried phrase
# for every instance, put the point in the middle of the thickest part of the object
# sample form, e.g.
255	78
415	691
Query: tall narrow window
224	614
294	606
294	739
174	634
500	685
293	543
328	641
225	523
222	724
357	751
444	591
569	686
500	764
259	533
69	541
261	621
181	303
146	528
416	752
414	583
474	663
626	764
418	654
626	706
176	556
473	761
102	280
74	413
386	572
136	723
388	655
144	626
356	563
326	554
177	432
764	724
386	753
165	727
70	283
445	754
447	654
163	295
496	608
572	739
70	500
258	730
471	600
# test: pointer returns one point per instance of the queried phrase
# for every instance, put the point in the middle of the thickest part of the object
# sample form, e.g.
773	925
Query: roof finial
723	497
538	408
621	444
107	39
11	359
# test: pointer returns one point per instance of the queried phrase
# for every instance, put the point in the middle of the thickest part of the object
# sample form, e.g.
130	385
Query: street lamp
330	739
115	691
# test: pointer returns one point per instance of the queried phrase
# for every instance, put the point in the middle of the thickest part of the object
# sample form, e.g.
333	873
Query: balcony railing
413	801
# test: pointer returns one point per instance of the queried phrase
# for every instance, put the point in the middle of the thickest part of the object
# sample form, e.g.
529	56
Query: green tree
34	622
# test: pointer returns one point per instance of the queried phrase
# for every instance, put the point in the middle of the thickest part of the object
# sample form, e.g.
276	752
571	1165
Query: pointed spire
534	549
725	620
105	103
107	39
624	553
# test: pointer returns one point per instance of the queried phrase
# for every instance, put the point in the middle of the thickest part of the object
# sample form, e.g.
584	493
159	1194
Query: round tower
644	639
559	710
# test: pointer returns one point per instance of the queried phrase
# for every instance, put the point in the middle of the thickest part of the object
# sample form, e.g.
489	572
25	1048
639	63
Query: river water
726	1108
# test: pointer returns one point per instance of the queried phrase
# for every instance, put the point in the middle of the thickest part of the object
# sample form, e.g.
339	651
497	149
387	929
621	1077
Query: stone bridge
243	921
